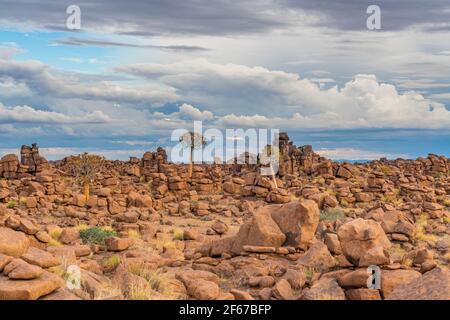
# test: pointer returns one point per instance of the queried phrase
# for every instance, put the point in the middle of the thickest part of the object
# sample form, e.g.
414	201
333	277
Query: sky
136	71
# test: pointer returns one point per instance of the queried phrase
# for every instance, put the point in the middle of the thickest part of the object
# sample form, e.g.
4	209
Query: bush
96	235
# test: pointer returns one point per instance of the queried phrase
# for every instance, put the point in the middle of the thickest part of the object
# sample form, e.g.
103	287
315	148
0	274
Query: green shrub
332	214
96	235
11	204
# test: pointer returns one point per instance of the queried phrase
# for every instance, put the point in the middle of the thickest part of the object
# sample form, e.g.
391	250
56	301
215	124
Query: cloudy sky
137	70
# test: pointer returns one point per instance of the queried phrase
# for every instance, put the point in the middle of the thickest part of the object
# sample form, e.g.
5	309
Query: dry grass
133	234
231	282
55	233
113	261
332	214
386	170
420	234
178	234
81	226
54	243
108	292
158	285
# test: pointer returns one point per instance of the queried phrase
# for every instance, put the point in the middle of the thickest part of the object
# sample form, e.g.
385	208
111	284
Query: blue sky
136	72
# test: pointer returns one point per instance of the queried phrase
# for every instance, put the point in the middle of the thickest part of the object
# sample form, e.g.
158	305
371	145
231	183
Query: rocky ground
148	231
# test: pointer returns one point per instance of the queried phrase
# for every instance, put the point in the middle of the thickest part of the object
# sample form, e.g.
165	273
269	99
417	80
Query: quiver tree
84	167
192	140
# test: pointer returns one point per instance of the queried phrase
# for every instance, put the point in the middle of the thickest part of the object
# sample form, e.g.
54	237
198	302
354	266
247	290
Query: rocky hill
149	231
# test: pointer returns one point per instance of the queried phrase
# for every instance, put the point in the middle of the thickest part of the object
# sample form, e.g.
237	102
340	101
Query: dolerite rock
364	242
41	258
9	165
13	243
317	257
390	279
202	289
292	224
29	289
298	221
260	231
324	289
118	244
433	285
18	269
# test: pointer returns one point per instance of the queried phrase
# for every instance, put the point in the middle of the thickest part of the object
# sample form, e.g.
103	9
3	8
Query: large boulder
390	279
13	243
317	257
324	289
364	242
293	224
260	231
29	289
433	285
298	221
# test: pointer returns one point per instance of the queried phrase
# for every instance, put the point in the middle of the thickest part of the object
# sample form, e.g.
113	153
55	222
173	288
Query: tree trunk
273	176
86	190
190	162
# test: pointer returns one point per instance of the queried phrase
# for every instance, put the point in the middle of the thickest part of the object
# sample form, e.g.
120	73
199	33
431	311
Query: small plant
309	273
81	226
420	234
344	202
133	234
150	186
332	214
178	234
54	243
96	235
438	175
55	233
386	170
446	202
23	201
11	204
113	261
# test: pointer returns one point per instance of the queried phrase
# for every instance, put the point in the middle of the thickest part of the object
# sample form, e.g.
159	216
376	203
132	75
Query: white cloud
26	114
233	90
42	80
357	154
194	113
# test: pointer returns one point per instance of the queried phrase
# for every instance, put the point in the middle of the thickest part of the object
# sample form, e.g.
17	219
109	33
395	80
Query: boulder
282	290
433	285
390	279
317	257
363	294
298	221
324	289
20	270
260	231
364	242
118	244
29	289
41	258
202	289
13	243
